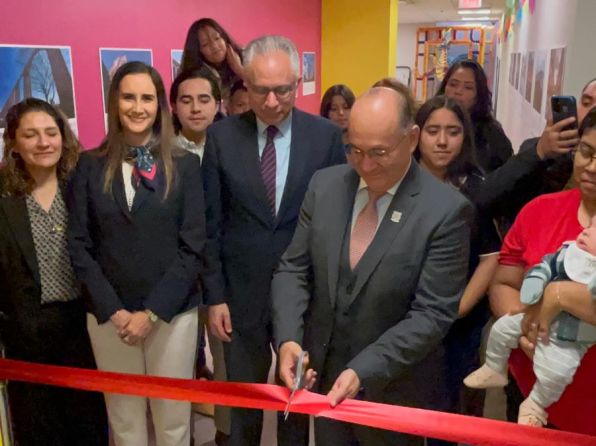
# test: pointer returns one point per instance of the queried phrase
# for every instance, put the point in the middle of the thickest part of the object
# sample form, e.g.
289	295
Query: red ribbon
426	423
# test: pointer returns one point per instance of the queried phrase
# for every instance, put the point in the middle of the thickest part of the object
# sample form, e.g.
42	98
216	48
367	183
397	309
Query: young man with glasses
257	168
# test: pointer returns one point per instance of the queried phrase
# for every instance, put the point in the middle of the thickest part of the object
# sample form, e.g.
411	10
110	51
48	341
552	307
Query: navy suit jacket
245	241
148	257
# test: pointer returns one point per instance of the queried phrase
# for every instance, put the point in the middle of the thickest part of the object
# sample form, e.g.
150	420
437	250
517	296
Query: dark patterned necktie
268	167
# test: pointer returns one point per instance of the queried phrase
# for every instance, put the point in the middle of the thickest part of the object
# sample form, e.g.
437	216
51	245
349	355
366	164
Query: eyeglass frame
264	91
375	154
587	159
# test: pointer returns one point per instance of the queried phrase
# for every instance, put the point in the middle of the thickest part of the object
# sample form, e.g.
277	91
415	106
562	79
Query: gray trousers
555	363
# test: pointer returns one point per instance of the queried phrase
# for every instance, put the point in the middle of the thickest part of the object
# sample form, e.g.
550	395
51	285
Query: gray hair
269	44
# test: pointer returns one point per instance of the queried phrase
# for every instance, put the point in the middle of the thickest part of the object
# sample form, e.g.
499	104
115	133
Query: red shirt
539	229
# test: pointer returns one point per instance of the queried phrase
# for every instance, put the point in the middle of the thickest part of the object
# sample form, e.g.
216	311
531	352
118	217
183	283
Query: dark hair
199	73
15	178
192	57
482	108
114	146
394	84
238	85
336	90
465	163
590	82
588	123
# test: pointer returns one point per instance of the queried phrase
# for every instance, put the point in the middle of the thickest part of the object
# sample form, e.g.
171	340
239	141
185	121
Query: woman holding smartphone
136	235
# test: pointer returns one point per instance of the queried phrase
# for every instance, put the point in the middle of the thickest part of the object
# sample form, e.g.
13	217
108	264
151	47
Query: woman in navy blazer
42	315
136	236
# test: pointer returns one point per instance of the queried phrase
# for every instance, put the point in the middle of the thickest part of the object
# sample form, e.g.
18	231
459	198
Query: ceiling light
478	19
473	11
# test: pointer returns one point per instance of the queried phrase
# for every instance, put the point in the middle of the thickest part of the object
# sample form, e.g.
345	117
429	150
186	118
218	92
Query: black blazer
20	285
245	241
23	324
493	148
145	258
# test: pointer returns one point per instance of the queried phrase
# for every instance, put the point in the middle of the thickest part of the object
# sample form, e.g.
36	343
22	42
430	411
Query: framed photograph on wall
511	67
43	72
556	70
517	69
110	59
309	73
176	58
523	75
529	77
539	78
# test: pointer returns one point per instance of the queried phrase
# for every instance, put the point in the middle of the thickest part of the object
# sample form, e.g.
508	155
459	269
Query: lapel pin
396	216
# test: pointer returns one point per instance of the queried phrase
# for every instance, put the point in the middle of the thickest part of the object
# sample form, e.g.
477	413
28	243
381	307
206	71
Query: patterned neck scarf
145	168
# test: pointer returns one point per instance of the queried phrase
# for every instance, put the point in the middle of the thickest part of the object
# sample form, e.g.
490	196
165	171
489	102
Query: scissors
298	383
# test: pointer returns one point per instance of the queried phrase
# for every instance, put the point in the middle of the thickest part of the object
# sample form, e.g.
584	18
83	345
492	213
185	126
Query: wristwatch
152	316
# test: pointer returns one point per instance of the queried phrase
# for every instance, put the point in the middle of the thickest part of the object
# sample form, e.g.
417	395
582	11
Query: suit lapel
338	219
18	220
400	208
297	162
250	163
141	195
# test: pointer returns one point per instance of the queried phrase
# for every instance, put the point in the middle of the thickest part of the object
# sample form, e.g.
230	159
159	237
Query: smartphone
564	107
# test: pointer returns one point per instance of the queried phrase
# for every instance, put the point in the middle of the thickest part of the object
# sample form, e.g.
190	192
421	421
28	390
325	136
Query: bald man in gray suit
373	277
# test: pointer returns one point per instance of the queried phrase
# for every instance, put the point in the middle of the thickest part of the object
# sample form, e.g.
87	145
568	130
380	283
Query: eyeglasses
586	153
280	92
374	154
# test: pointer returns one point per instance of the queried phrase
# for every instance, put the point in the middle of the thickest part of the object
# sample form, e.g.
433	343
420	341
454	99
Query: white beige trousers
169	350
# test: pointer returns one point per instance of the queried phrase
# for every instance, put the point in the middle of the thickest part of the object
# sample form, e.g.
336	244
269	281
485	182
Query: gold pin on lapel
396	216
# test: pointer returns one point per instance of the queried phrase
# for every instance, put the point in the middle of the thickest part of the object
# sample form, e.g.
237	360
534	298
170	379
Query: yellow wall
359	39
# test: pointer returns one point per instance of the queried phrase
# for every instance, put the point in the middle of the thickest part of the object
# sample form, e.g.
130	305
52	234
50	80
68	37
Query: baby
555	362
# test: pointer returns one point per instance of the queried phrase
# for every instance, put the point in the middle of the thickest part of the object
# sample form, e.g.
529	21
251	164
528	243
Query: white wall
581	64
554	24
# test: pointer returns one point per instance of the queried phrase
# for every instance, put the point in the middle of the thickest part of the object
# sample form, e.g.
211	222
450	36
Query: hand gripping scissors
298	382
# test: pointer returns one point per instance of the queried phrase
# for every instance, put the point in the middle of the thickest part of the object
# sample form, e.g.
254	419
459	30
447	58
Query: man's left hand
346	385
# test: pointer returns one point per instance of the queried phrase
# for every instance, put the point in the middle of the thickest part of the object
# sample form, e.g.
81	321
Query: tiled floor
204	430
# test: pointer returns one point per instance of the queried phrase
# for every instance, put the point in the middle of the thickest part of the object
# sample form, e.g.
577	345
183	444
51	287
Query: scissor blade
299	371
297	382
287	411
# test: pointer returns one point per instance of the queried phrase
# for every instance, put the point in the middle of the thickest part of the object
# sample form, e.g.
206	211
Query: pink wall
160	25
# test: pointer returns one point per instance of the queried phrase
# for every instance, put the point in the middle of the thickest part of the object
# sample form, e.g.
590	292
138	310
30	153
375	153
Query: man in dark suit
372	279
256	171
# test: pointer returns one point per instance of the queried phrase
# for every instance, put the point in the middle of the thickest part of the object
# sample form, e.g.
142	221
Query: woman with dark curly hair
43	317
207	43
466	82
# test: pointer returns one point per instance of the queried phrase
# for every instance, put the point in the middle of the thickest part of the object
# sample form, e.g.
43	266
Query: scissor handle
299	371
